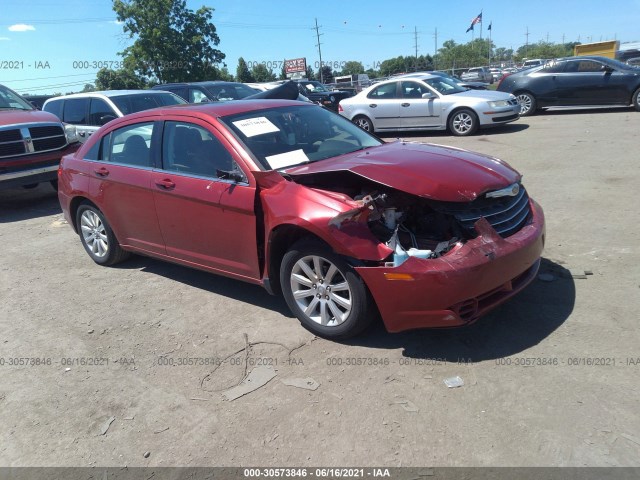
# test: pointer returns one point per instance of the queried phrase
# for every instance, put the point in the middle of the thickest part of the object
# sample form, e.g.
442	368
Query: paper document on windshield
283	160
256	126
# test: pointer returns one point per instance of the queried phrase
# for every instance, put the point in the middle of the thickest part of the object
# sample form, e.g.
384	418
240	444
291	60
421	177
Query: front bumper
499	116
31	169
461	286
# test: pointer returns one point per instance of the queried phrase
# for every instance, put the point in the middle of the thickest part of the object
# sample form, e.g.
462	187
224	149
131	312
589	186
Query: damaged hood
436	172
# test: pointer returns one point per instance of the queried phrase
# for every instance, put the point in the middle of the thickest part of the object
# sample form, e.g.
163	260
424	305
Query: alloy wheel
321	291
94	233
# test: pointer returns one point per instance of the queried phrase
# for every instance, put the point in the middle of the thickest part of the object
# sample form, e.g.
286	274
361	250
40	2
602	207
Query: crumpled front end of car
446	263
463	284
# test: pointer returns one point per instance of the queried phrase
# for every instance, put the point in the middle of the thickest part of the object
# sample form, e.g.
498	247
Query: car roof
203	83
109	93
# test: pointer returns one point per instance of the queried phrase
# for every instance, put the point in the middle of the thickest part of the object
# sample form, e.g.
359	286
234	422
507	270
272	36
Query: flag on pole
478	19
489	27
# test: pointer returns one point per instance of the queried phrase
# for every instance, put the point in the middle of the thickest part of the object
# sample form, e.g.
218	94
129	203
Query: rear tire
364	123
97	237
324	292
635	99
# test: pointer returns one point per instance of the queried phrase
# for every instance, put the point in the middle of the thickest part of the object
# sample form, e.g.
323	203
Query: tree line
172	43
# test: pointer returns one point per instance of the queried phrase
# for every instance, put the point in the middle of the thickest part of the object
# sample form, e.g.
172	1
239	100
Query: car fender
286	203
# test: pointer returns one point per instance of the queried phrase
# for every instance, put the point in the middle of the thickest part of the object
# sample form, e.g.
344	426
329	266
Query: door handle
166	184
405	104
102	171
373	105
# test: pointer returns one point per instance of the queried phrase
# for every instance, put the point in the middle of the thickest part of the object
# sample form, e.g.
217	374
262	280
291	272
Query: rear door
121	184
205	220
383	106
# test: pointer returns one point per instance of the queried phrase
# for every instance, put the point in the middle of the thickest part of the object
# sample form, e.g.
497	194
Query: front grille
44	138
50	143
10	149
46	131
507	215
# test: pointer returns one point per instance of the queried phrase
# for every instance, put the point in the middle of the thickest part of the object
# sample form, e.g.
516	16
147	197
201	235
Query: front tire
463	122
97	237
323	291
364	123
527	104
635	99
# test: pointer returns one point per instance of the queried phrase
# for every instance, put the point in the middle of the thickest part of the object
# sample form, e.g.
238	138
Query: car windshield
230	91
285	136
444	85
618	64
10	100
137	103
315	87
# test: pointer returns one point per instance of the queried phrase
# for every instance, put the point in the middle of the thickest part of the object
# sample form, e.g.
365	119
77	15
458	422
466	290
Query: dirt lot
97	389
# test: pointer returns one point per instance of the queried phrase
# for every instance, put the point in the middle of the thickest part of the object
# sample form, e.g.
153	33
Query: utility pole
563	39
435	51
526	45
319	49
415	39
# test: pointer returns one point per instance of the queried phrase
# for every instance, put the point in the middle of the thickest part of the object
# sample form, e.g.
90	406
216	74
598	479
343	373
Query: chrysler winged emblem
510	191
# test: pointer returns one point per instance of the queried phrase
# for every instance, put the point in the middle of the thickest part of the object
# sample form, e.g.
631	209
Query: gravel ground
550	378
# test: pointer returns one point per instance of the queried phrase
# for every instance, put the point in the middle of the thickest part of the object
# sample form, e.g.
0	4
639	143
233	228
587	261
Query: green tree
352	67
172	43
309	74
122	79
261	73
544	49
242	72
223	74
327	74
88	87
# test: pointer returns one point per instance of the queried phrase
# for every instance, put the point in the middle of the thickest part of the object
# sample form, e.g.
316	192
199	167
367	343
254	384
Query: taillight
500	81
340	109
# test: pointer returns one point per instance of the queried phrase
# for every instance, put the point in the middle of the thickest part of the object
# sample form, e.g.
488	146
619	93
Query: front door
205	220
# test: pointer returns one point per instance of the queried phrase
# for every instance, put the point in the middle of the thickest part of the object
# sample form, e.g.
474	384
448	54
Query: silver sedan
428	102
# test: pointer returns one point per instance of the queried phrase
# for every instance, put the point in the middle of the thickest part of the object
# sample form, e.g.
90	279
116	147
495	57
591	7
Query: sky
51	46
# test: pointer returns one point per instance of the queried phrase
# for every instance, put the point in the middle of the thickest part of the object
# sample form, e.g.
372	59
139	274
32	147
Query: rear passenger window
384	91
130	145
75	111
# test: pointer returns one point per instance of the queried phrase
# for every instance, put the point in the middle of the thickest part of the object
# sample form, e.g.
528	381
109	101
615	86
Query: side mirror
429	96
106	119
233	175
606	69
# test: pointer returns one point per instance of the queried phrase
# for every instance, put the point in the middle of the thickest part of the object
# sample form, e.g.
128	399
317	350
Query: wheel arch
281	238
74	205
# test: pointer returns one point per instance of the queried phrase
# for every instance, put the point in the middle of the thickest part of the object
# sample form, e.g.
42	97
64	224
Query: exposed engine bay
409	225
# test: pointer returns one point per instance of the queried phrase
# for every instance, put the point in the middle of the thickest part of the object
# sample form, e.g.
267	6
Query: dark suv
202	92
31	142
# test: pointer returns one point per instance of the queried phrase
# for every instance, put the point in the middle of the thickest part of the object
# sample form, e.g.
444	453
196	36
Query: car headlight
71	133
498	103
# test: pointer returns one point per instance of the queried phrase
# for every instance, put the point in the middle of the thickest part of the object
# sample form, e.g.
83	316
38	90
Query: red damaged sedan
299	200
